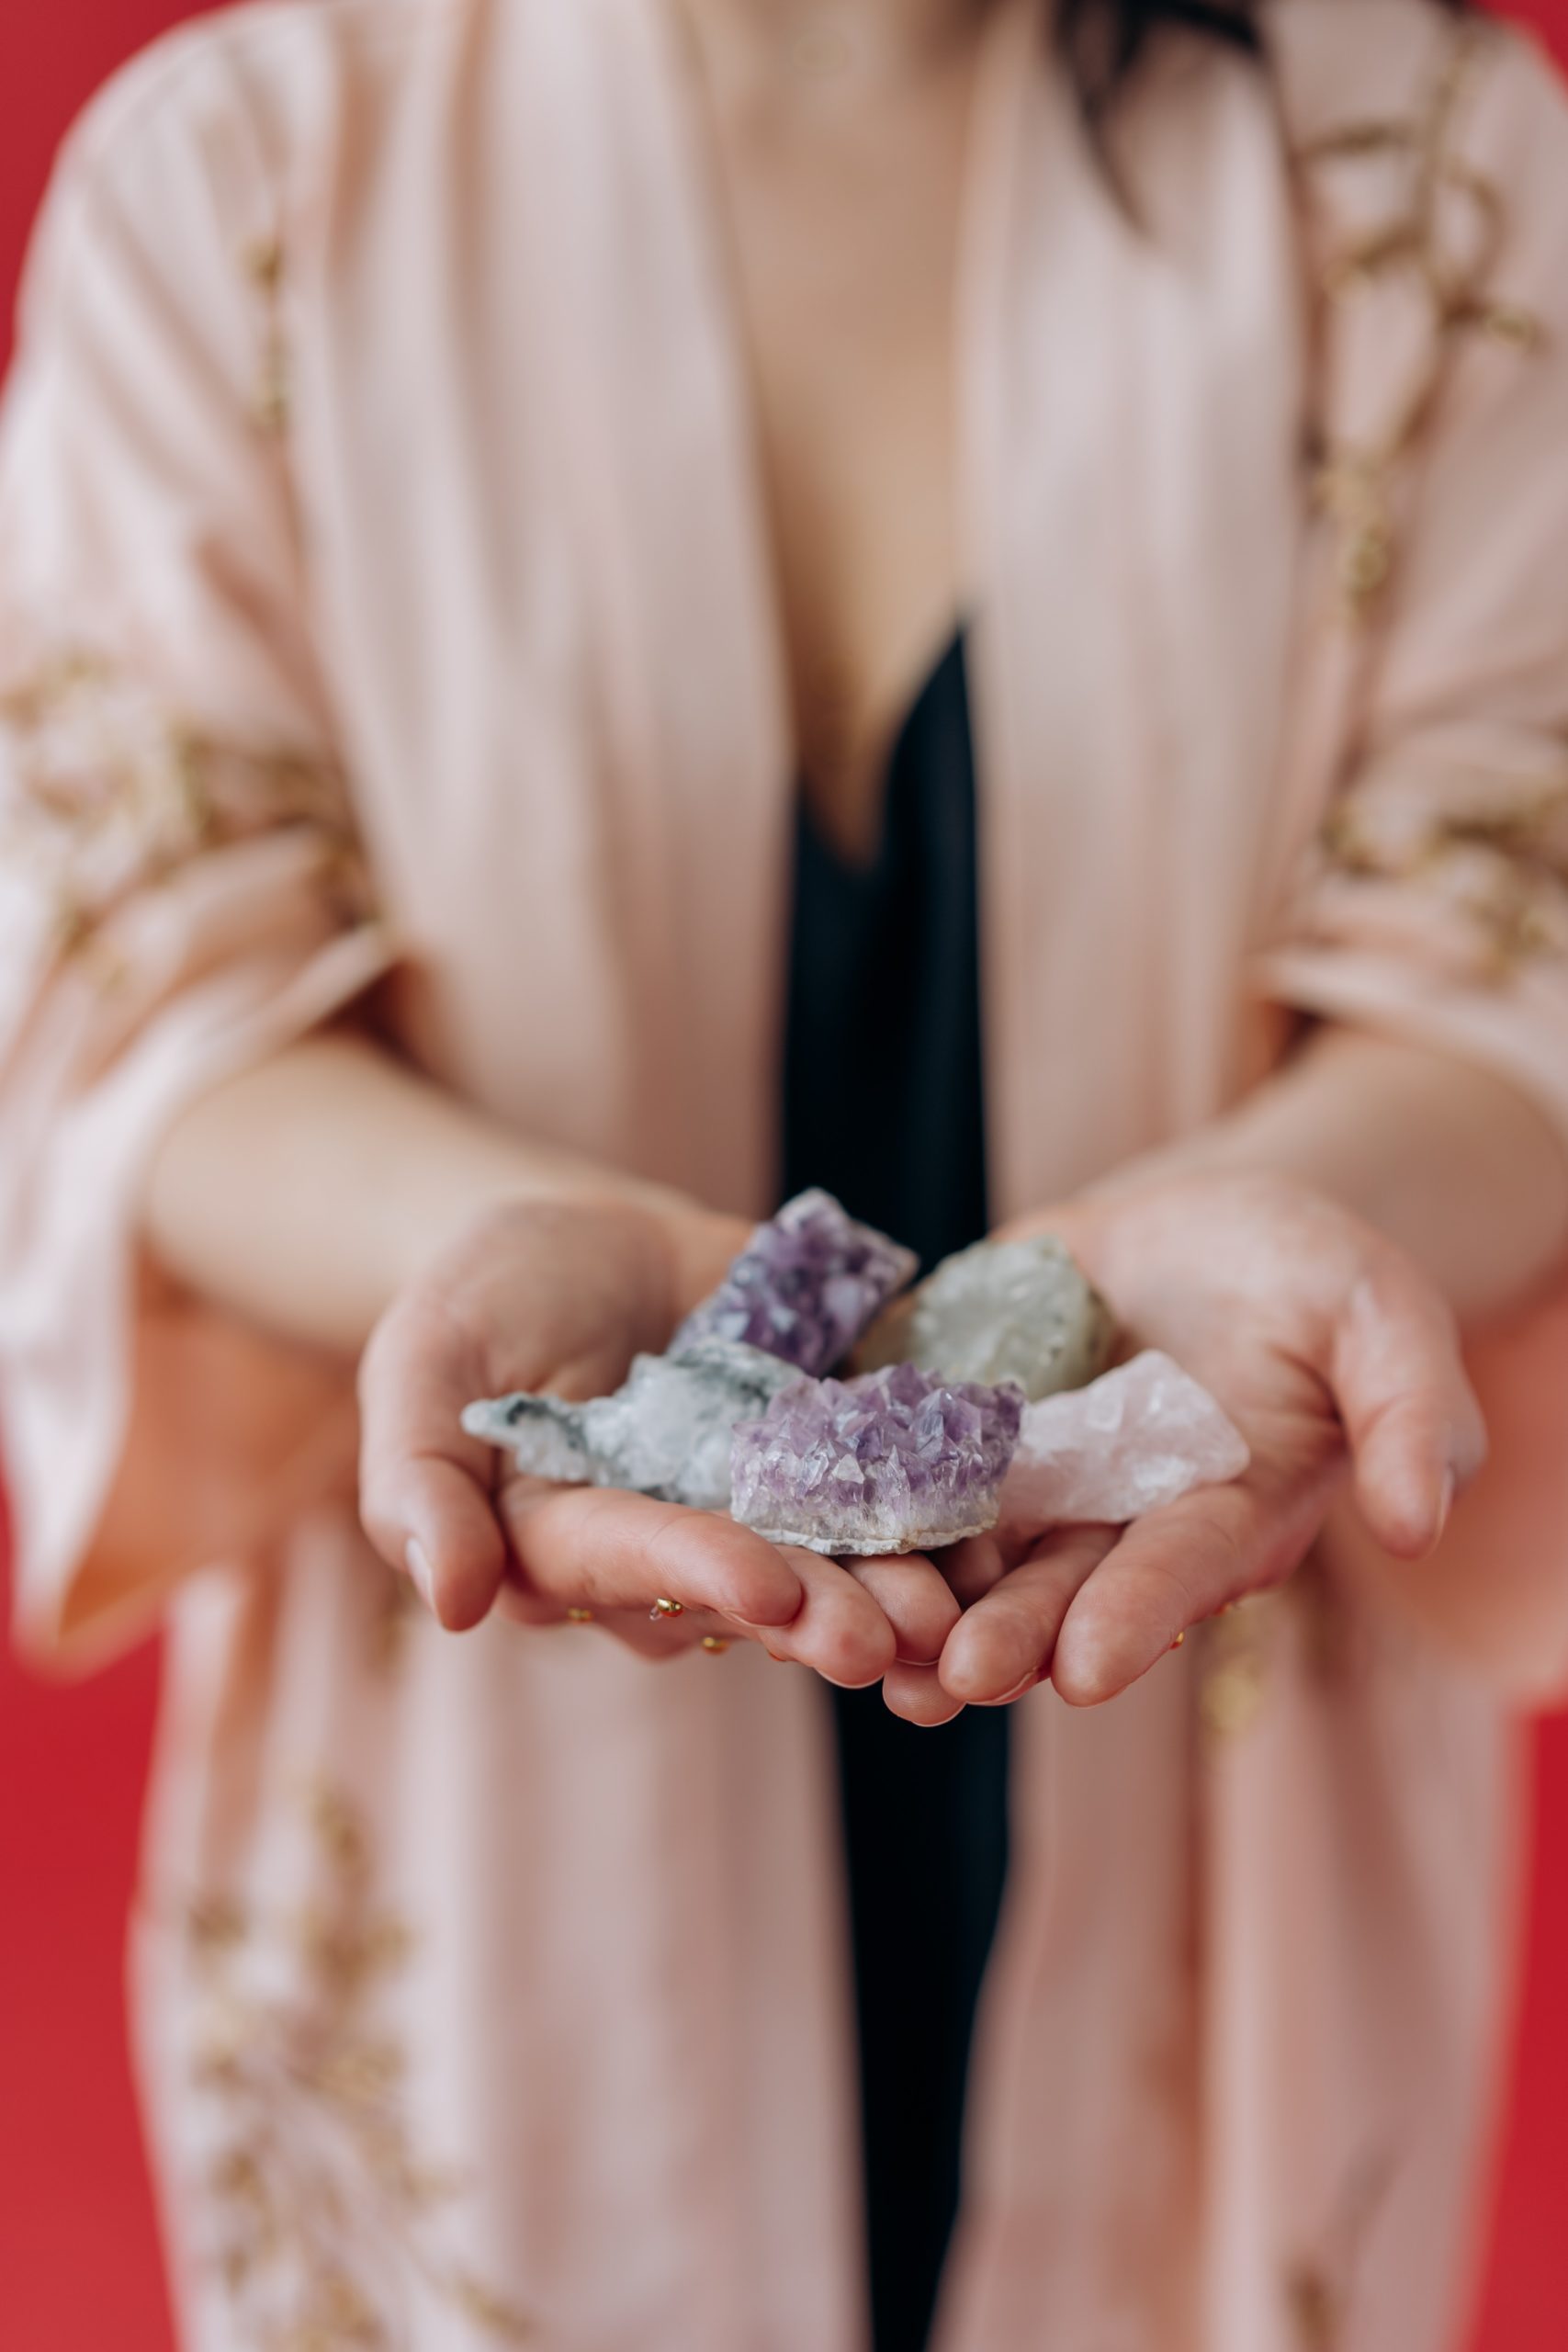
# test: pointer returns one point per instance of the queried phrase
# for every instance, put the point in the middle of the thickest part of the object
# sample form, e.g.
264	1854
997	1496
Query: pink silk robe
383	595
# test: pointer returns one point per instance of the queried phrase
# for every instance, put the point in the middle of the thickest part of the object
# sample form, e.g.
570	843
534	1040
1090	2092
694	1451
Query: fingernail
1030	1679
417	1561
1179	1639
1445	1503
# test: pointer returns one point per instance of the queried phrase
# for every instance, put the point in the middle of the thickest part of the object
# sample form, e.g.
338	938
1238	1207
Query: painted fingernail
579	1616
713	1646
1179	1639
417	1561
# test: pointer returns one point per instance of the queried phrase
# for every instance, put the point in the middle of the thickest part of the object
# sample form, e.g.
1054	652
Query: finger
424	1485
973	1565
916	1599
1178	1566
1002	1645
599	1548
1410	1415
841	1633
915	1692
452	1547
521	1608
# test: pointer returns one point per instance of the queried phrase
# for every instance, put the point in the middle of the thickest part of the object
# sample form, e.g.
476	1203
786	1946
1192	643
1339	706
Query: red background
79	2268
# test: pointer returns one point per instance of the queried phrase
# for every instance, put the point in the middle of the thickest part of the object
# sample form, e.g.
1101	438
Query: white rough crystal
1133	1441
665	1432
1023	1311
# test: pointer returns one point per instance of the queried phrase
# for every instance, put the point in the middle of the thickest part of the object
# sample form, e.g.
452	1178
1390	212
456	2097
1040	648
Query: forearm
1454	1164
303	1193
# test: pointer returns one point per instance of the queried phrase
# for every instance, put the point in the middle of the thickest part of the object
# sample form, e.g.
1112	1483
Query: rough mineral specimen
1139	1437
666	1433
805	1286
1002	1310
892	1462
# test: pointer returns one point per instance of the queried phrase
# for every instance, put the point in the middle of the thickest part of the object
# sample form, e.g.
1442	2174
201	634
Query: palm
1327	1347
541	1297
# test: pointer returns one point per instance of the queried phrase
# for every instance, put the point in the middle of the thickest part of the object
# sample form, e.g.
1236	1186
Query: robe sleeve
181	889
1433	904
1435	899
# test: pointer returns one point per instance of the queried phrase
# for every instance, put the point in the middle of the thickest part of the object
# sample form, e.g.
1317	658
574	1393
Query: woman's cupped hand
1335	1355
560	1296
1333	1352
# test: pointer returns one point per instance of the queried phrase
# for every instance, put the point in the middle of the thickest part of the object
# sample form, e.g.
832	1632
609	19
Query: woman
466	459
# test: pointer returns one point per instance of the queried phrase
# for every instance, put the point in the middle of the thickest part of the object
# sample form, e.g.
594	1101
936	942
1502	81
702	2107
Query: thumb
1410	1415
424	1487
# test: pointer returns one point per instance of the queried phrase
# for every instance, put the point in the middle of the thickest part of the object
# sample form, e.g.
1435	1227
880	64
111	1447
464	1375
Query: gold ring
664	1607
579	1616
713	1646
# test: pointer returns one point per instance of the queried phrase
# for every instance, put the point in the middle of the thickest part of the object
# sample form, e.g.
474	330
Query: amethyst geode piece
804	1287
897	1461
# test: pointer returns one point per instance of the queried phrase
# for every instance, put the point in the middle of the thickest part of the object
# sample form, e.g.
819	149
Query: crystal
805	1286
893	1461
1002	1310
666	1433
1135	1439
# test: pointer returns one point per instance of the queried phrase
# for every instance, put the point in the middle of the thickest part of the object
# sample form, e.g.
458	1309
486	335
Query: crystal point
804	1287
1002	1310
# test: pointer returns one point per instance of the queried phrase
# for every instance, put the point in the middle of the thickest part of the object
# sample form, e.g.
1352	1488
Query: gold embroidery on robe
1354	484
1235	1667
265	264
1496	853
106	795
328	2226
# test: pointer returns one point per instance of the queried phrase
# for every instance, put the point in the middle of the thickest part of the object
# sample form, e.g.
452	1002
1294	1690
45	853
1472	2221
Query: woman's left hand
1330	1349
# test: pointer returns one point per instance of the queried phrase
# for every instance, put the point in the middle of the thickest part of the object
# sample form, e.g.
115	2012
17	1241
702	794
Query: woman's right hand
560	1296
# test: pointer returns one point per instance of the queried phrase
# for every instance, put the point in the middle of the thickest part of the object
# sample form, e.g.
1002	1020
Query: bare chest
843	237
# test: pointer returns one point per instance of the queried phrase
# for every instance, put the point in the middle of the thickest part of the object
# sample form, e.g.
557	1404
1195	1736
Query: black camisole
884	1106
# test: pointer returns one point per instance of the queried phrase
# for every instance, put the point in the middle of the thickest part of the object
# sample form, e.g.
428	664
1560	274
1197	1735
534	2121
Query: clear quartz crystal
1002	1310
1135	1439
892	1462
666	1433
804	1287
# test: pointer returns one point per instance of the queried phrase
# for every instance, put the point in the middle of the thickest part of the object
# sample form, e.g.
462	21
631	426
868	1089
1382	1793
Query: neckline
1000	62
863	871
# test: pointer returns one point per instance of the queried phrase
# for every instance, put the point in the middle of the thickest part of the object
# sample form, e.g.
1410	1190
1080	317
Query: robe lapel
1130	404
668	499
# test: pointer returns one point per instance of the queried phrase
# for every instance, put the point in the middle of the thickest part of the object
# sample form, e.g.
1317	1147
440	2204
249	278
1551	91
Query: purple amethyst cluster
804	1287
897	1461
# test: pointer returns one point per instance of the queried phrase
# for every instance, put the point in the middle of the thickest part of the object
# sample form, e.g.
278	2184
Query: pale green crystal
1023	1311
